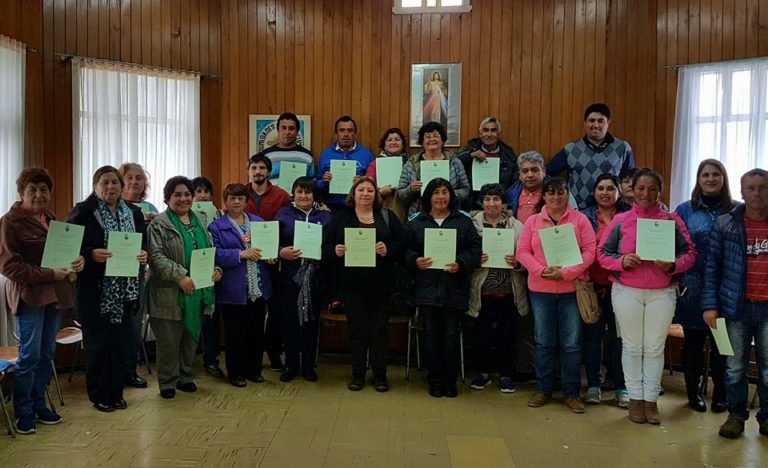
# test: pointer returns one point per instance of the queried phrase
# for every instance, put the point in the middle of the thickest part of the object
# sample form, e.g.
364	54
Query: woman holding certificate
442	248
386	169
37	294
431	163
108	298
710	199
362	243
181	285
245	287
643	248
498	291
557	247
298	291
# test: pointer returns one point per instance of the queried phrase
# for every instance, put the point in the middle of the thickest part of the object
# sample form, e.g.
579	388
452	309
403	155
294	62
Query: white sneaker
622	397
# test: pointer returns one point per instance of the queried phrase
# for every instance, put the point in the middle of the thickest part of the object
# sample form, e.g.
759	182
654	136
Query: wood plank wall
534	63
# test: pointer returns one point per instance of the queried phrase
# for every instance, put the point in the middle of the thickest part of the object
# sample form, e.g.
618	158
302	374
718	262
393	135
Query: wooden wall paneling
762	29
547	65
727	32
284	43
135	30
601	50
226	86
694	28
716	31
215	51
705	26
123	43
241	121
740	29
297	24
382	71
752	29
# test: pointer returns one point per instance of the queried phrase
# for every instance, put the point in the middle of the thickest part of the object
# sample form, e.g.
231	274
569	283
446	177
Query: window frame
399	9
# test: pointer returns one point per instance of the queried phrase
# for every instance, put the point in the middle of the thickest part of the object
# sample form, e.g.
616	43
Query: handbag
587	300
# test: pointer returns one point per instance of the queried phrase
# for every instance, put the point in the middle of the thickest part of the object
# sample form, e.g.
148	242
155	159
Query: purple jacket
287	217
233	287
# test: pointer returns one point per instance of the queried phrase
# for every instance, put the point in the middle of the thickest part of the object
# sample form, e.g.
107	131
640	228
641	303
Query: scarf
116	290
192	305
252	267
303	279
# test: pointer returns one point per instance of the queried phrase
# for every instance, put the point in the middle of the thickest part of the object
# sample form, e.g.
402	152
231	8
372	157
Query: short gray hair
490	119
532	157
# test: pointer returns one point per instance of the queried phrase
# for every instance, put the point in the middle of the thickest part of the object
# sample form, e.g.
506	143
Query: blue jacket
233	287
513	197
726	269
359	153
591	213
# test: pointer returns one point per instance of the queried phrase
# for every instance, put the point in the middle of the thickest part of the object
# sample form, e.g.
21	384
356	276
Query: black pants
133	343
502	311
211	348
300	339
244	332
368	327
693	362
441	343
105	348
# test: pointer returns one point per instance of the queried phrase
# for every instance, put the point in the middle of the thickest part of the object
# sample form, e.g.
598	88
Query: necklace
365	219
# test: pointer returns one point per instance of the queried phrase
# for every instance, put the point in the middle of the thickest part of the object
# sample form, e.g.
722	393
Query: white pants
644	316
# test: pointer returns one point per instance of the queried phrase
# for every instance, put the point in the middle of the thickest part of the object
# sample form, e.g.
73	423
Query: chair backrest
8	334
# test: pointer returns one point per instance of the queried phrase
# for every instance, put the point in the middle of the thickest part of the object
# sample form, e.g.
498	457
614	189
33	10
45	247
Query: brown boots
644	411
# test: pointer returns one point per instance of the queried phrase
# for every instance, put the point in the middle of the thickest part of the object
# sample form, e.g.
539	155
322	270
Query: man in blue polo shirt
345	147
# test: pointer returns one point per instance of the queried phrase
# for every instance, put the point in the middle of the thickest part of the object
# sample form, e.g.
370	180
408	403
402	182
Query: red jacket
269	203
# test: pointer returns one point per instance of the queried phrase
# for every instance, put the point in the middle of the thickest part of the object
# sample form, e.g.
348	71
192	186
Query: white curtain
12	67
721	113
132	114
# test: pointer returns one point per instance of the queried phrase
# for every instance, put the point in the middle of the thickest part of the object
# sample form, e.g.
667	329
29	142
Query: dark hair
378	202
344	118
33	175
754	173
288	116
621	205
434	184
432	127
551	185
598	107
628	173
107	170
257	158
306	183
648	172
725	193
171	184
202	182
490	190
235	190
390	131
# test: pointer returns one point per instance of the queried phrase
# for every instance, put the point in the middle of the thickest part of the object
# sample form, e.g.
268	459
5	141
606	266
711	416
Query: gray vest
585	166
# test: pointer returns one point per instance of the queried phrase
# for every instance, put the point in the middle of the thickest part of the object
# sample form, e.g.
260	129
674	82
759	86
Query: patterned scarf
192	305
303	279
116	290
252	267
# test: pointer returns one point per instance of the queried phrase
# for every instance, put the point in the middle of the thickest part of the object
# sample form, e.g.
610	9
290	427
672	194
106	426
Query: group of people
719	269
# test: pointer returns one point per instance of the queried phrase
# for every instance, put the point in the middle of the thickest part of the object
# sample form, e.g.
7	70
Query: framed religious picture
436	97
262	131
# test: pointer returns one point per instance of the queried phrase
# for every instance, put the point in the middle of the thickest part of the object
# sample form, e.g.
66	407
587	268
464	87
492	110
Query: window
722	113
406	7
12	67
130	114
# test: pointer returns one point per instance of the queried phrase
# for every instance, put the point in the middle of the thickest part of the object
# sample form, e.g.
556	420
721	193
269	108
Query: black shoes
238	381
289	374
256	378
309	375
696	402
104	407
356	385
449	390
435	390
719	406
135	381
120	404
380	384
188	387
214	370
168	393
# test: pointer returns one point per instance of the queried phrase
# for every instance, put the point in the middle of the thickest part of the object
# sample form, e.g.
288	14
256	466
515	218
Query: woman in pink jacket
643	293
553	295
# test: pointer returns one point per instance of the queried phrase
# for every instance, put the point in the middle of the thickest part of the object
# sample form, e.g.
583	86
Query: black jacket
437	287
508	171
88	286
387	231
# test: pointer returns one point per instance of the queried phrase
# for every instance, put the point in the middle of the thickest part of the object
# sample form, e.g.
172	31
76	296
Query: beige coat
166	260
519	289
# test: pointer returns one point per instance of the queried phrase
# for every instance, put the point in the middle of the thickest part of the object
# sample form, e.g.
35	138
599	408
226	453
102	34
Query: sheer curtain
12	67
721	113
132	114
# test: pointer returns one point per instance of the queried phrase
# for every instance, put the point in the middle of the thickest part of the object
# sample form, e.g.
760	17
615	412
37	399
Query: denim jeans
753	323
37	327
557	327
592	343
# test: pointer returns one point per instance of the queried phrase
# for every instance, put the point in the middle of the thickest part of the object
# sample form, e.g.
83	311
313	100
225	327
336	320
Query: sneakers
506	385
25	426
575	405
593	396
733	428
480	382
538	400
622	398
48	417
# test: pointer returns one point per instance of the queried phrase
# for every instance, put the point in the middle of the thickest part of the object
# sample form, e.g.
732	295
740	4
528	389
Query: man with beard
265	198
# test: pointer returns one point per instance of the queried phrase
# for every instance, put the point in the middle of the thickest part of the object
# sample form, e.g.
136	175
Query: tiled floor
303	424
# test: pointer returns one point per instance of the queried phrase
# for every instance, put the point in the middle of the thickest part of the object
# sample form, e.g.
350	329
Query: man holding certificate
557	247
643	291
736	288
441	289
415	177
362	243
107	305
37	295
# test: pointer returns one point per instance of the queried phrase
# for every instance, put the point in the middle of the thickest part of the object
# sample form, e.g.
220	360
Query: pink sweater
531	254
620	238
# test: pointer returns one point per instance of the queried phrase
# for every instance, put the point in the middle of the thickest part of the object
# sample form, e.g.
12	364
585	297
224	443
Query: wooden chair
6	367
